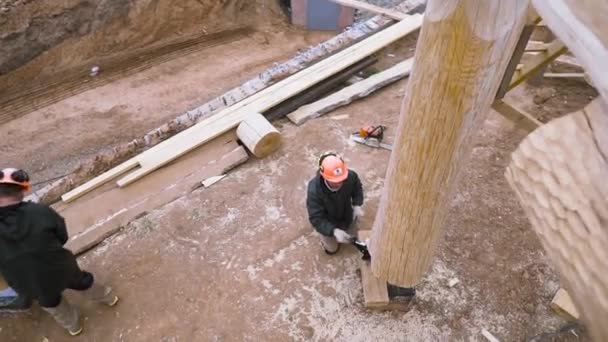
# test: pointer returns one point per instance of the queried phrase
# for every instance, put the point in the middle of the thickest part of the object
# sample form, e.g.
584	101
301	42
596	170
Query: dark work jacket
32	258
328	210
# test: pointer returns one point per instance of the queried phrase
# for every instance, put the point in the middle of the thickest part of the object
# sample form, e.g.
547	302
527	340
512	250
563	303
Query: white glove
342	236
358	211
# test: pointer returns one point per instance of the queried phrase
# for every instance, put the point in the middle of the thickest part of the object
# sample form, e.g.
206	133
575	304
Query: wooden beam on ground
520	118
351	93
565	75
559	175
446	102
536	63
99	180
318	91
563	305
231	117
106	210
360	5
582	26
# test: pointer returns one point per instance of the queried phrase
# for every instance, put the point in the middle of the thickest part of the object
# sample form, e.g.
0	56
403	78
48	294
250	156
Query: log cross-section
462	53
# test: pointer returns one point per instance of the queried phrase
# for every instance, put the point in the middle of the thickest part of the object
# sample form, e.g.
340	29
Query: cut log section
559	174
351	93
259	135
457	71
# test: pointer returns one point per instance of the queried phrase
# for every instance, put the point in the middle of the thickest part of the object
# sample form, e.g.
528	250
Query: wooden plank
375	291
518	52
351	93
177	181
99	181
360	5
447	101
564	75
559	174
582	26
537	62
488	335
518	117
229	118
563	304
318	91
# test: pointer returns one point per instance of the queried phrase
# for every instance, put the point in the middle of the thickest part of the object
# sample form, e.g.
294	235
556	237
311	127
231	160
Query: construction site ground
240	262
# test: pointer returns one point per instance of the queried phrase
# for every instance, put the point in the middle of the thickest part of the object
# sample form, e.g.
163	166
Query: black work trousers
81	282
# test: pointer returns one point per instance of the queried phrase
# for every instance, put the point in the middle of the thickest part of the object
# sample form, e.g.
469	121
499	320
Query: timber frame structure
559	172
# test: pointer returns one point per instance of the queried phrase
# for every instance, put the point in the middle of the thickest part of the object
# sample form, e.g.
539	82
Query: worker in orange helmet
32	257
334	200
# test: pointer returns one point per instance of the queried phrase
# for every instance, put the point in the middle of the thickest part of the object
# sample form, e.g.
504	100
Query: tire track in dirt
14	104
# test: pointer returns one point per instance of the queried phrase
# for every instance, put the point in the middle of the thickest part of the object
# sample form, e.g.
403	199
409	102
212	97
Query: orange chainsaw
371	136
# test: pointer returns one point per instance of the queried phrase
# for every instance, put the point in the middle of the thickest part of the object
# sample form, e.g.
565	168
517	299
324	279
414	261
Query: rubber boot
101	294
66	316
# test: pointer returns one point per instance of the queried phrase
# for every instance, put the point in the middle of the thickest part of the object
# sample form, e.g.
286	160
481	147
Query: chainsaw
371	136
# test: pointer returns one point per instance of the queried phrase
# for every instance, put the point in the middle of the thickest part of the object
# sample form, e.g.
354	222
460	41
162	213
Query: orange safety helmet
15	176
332	167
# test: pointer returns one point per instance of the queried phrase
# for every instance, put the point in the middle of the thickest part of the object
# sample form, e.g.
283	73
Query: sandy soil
60	135
239	261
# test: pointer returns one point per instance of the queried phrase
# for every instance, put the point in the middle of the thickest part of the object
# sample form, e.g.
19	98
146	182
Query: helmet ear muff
325	155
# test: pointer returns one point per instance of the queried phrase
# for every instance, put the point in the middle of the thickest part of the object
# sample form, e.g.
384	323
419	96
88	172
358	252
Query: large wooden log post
560	175
462	53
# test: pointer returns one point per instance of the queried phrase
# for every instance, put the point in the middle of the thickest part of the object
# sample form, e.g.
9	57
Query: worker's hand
358	211
342	236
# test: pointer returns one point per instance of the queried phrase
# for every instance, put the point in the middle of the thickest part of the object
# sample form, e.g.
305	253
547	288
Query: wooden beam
99	181
229	118
582	26
462	53
360	5
351	93
520	118
514	63
559	175
318	91
564	75
537	62
375	291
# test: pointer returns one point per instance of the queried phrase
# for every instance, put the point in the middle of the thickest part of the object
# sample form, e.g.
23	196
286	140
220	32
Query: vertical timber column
461	56
560	175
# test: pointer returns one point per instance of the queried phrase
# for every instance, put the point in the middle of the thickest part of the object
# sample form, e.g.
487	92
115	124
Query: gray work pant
331	244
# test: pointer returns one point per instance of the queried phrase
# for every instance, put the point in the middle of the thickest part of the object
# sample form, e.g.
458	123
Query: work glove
342	236
358	211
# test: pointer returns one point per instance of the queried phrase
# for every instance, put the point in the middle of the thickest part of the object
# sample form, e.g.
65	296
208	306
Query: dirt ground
239	261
